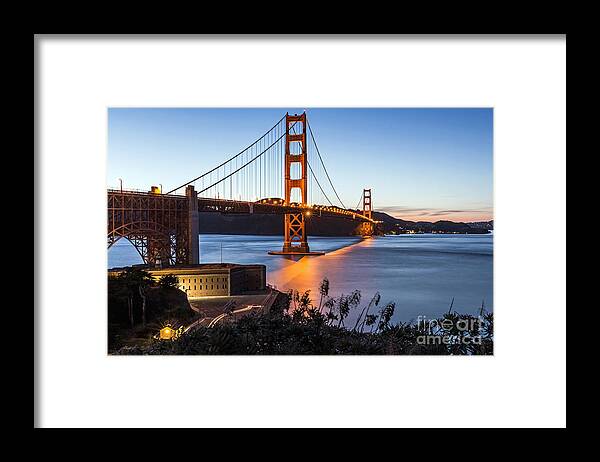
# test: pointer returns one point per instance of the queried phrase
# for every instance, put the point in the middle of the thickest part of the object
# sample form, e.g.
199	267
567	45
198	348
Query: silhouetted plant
385	316
345	304
370	320
323	291
167	281
136	280
365	311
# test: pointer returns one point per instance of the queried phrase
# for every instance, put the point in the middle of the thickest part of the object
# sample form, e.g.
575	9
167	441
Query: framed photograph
258	252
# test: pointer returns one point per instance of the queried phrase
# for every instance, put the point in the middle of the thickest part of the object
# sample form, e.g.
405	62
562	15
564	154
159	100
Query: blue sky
422	164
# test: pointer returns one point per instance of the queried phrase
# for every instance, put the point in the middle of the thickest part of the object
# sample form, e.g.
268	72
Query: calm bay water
420	272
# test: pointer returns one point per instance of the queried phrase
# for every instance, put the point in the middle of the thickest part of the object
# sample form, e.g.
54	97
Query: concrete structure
213	279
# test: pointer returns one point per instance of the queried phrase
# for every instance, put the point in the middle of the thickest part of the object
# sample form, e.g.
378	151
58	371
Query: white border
522	385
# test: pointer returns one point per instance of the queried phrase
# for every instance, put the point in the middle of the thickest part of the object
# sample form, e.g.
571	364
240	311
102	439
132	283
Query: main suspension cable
359	200
246	164
313	173
322	163
318	184
228	160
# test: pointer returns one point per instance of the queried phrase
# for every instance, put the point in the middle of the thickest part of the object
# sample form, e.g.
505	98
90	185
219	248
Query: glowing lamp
166	333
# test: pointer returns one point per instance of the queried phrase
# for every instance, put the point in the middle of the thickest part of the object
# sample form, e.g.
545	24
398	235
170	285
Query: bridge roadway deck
231	206
244	207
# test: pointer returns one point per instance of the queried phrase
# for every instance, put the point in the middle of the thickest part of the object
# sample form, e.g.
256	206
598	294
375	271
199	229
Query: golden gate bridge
164	227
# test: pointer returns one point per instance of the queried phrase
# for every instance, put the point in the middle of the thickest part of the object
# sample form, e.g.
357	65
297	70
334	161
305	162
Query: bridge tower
367	209
367	228
294	233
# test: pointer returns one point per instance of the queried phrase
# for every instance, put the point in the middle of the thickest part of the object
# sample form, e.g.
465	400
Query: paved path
211	321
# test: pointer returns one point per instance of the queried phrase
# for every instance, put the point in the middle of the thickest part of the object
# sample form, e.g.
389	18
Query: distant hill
397	225
272	225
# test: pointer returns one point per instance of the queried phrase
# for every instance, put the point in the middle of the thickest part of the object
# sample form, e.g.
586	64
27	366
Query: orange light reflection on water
308	272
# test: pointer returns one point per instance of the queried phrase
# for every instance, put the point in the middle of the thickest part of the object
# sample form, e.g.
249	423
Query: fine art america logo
449	331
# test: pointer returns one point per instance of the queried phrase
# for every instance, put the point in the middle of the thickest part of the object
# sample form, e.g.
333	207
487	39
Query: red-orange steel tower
367	209
295	175
367	228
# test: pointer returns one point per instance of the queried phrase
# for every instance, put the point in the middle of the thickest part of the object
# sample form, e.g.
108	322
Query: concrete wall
205	285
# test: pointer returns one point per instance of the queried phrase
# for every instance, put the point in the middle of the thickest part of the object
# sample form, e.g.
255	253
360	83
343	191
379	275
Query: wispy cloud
391	209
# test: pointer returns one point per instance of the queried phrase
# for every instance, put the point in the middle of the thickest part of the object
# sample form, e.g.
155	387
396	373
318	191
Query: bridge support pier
294	239
193	227
366	229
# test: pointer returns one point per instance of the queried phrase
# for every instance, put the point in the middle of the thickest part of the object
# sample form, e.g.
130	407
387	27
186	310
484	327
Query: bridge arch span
153	241
161	228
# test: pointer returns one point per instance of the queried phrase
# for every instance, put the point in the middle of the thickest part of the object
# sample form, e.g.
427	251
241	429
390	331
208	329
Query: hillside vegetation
298	326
